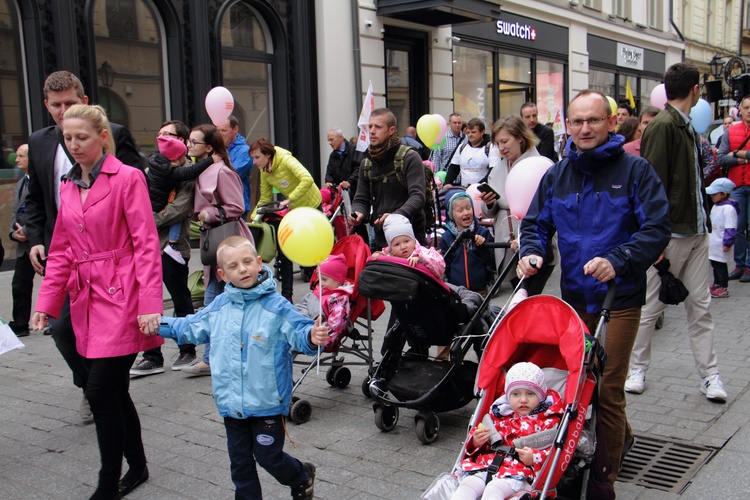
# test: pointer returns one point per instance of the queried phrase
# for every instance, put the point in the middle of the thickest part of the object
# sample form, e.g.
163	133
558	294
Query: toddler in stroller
401	243
526	407
345	310
334	304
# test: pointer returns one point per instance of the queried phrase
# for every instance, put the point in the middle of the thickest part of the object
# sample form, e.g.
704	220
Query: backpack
431	188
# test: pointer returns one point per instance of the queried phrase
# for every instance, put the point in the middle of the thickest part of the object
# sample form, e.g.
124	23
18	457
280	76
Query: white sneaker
712	387
175	254
636	381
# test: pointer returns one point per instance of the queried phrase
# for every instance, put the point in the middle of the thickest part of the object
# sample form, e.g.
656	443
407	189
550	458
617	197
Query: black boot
304	491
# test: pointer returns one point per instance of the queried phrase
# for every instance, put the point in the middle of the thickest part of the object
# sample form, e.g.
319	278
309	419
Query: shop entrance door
512	96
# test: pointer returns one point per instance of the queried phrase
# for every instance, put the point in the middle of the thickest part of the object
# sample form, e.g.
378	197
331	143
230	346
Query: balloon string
320	309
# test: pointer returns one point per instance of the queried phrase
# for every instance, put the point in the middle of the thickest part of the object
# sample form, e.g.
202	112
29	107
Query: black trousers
118	428
65	341
23	289
721	273
175	276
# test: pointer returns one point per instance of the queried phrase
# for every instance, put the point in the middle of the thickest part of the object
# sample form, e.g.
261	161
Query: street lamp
107	76
716	66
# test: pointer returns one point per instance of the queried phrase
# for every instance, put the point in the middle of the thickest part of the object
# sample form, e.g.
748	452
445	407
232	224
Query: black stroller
425	312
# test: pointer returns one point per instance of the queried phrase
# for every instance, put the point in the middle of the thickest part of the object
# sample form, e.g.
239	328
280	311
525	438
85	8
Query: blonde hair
516	127
234	242
97	118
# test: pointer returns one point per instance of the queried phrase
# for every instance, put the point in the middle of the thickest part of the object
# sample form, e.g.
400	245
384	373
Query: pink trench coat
105	253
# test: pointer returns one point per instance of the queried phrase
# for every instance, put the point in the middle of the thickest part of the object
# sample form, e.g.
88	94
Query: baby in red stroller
527	407
335	302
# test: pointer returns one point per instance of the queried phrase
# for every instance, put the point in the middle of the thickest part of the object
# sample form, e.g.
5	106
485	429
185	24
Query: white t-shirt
723	217
474	164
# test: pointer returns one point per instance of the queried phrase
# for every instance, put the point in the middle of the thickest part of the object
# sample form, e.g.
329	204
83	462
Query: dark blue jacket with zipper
602	203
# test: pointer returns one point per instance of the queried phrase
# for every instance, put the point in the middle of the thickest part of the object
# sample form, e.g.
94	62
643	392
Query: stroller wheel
366	387
301	411
428	427
386	417
341	377
329	376
307	273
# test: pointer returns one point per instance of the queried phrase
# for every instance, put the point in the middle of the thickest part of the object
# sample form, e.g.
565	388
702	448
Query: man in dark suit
546	135
49	160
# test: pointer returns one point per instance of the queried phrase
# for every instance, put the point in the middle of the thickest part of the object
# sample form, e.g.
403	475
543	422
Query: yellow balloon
428	129
305	236
612	105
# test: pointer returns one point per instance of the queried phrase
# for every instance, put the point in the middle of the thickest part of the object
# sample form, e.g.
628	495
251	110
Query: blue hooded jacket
252	331
602	203
469	265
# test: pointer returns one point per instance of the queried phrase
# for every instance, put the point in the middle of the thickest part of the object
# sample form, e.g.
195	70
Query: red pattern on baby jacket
512	427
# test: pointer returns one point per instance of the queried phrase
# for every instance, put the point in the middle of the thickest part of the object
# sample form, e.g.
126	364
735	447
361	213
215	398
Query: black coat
162	177
344	167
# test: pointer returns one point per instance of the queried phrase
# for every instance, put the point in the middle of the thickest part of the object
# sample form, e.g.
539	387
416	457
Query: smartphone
486	188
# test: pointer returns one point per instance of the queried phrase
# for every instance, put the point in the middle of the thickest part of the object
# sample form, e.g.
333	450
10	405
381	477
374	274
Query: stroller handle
467	234
609	299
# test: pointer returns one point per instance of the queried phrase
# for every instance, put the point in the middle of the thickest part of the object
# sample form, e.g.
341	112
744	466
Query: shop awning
439	12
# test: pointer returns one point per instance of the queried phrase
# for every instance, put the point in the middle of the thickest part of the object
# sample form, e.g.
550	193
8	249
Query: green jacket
669	144
292	180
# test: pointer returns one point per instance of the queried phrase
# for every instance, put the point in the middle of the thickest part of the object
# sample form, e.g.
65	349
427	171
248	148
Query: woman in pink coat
105	253
218	193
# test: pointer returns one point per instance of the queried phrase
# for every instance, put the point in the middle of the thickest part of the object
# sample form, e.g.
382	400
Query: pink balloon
659	96
219	105
443	128
733	113
476	197
522	183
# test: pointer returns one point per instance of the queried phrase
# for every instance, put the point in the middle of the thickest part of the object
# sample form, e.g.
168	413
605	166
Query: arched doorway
130	67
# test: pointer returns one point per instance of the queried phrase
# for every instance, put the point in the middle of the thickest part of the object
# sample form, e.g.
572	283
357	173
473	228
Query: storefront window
247	59
622	90
603	81
13	119
549	89
647	86
472	83
397	86
130	68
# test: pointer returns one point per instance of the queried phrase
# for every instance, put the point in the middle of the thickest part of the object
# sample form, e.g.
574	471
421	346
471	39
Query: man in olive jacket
670	144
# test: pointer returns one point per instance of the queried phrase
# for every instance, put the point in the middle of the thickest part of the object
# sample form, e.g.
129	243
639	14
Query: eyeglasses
193	143
594	121
160	134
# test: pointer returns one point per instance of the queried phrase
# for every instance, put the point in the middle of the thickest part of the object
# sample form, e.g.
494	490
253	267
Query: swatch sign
516	30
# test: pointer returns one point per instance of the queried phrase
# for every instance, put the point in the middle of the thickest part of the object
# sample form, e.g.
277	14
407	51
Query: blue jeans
741	254
174	231
213	289
259	440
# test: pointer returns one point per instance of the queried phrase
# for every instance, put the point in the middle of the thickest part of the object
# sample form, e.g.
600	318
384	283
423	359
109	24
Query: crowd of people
624	194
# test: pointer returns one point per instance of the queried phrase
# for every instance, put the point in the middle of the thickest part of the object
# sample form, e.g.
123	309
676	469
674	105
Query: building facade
299	67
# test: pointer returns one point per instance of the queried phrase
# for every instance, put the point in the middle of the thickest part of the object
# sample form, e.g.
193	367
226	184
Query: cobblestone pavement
45	452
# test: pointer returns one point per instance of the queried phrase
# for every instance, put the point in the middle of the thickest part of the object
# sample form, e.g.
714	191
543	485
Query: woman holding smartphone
515	142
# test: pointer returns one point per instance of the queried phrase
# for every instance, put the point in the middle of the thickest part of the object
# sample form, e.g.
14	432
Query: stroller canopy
543	330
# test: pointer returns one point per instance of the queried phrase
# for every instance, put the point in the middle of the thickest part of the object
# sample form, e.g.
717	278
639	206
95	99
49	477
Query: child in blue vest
252	329
470	264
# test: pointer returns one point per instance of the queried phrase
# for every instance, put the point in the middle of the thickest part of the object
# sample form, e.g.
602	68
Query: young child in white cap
723	233
526	408
402	243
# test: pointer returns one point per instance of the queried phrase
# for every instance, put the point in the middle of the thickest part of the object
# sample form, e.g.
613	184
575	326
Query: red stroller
362	312
572	361
337	207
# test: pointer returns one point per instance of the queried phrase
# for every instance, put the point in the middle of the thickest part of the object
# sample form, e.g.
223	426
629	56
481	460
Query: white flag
363	141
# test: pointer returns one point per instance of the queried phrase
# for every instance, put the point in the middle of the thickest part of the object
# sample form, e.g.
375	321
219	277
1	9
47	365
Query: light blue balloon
701	116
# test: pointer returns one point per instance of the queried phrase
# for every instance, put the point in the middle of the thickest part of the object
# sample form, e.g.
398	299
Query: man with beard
391	180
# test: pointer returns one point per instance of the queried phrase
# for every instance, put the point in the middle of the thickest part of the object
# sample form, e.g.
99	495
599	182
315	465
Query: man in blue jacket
610	213
239	155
